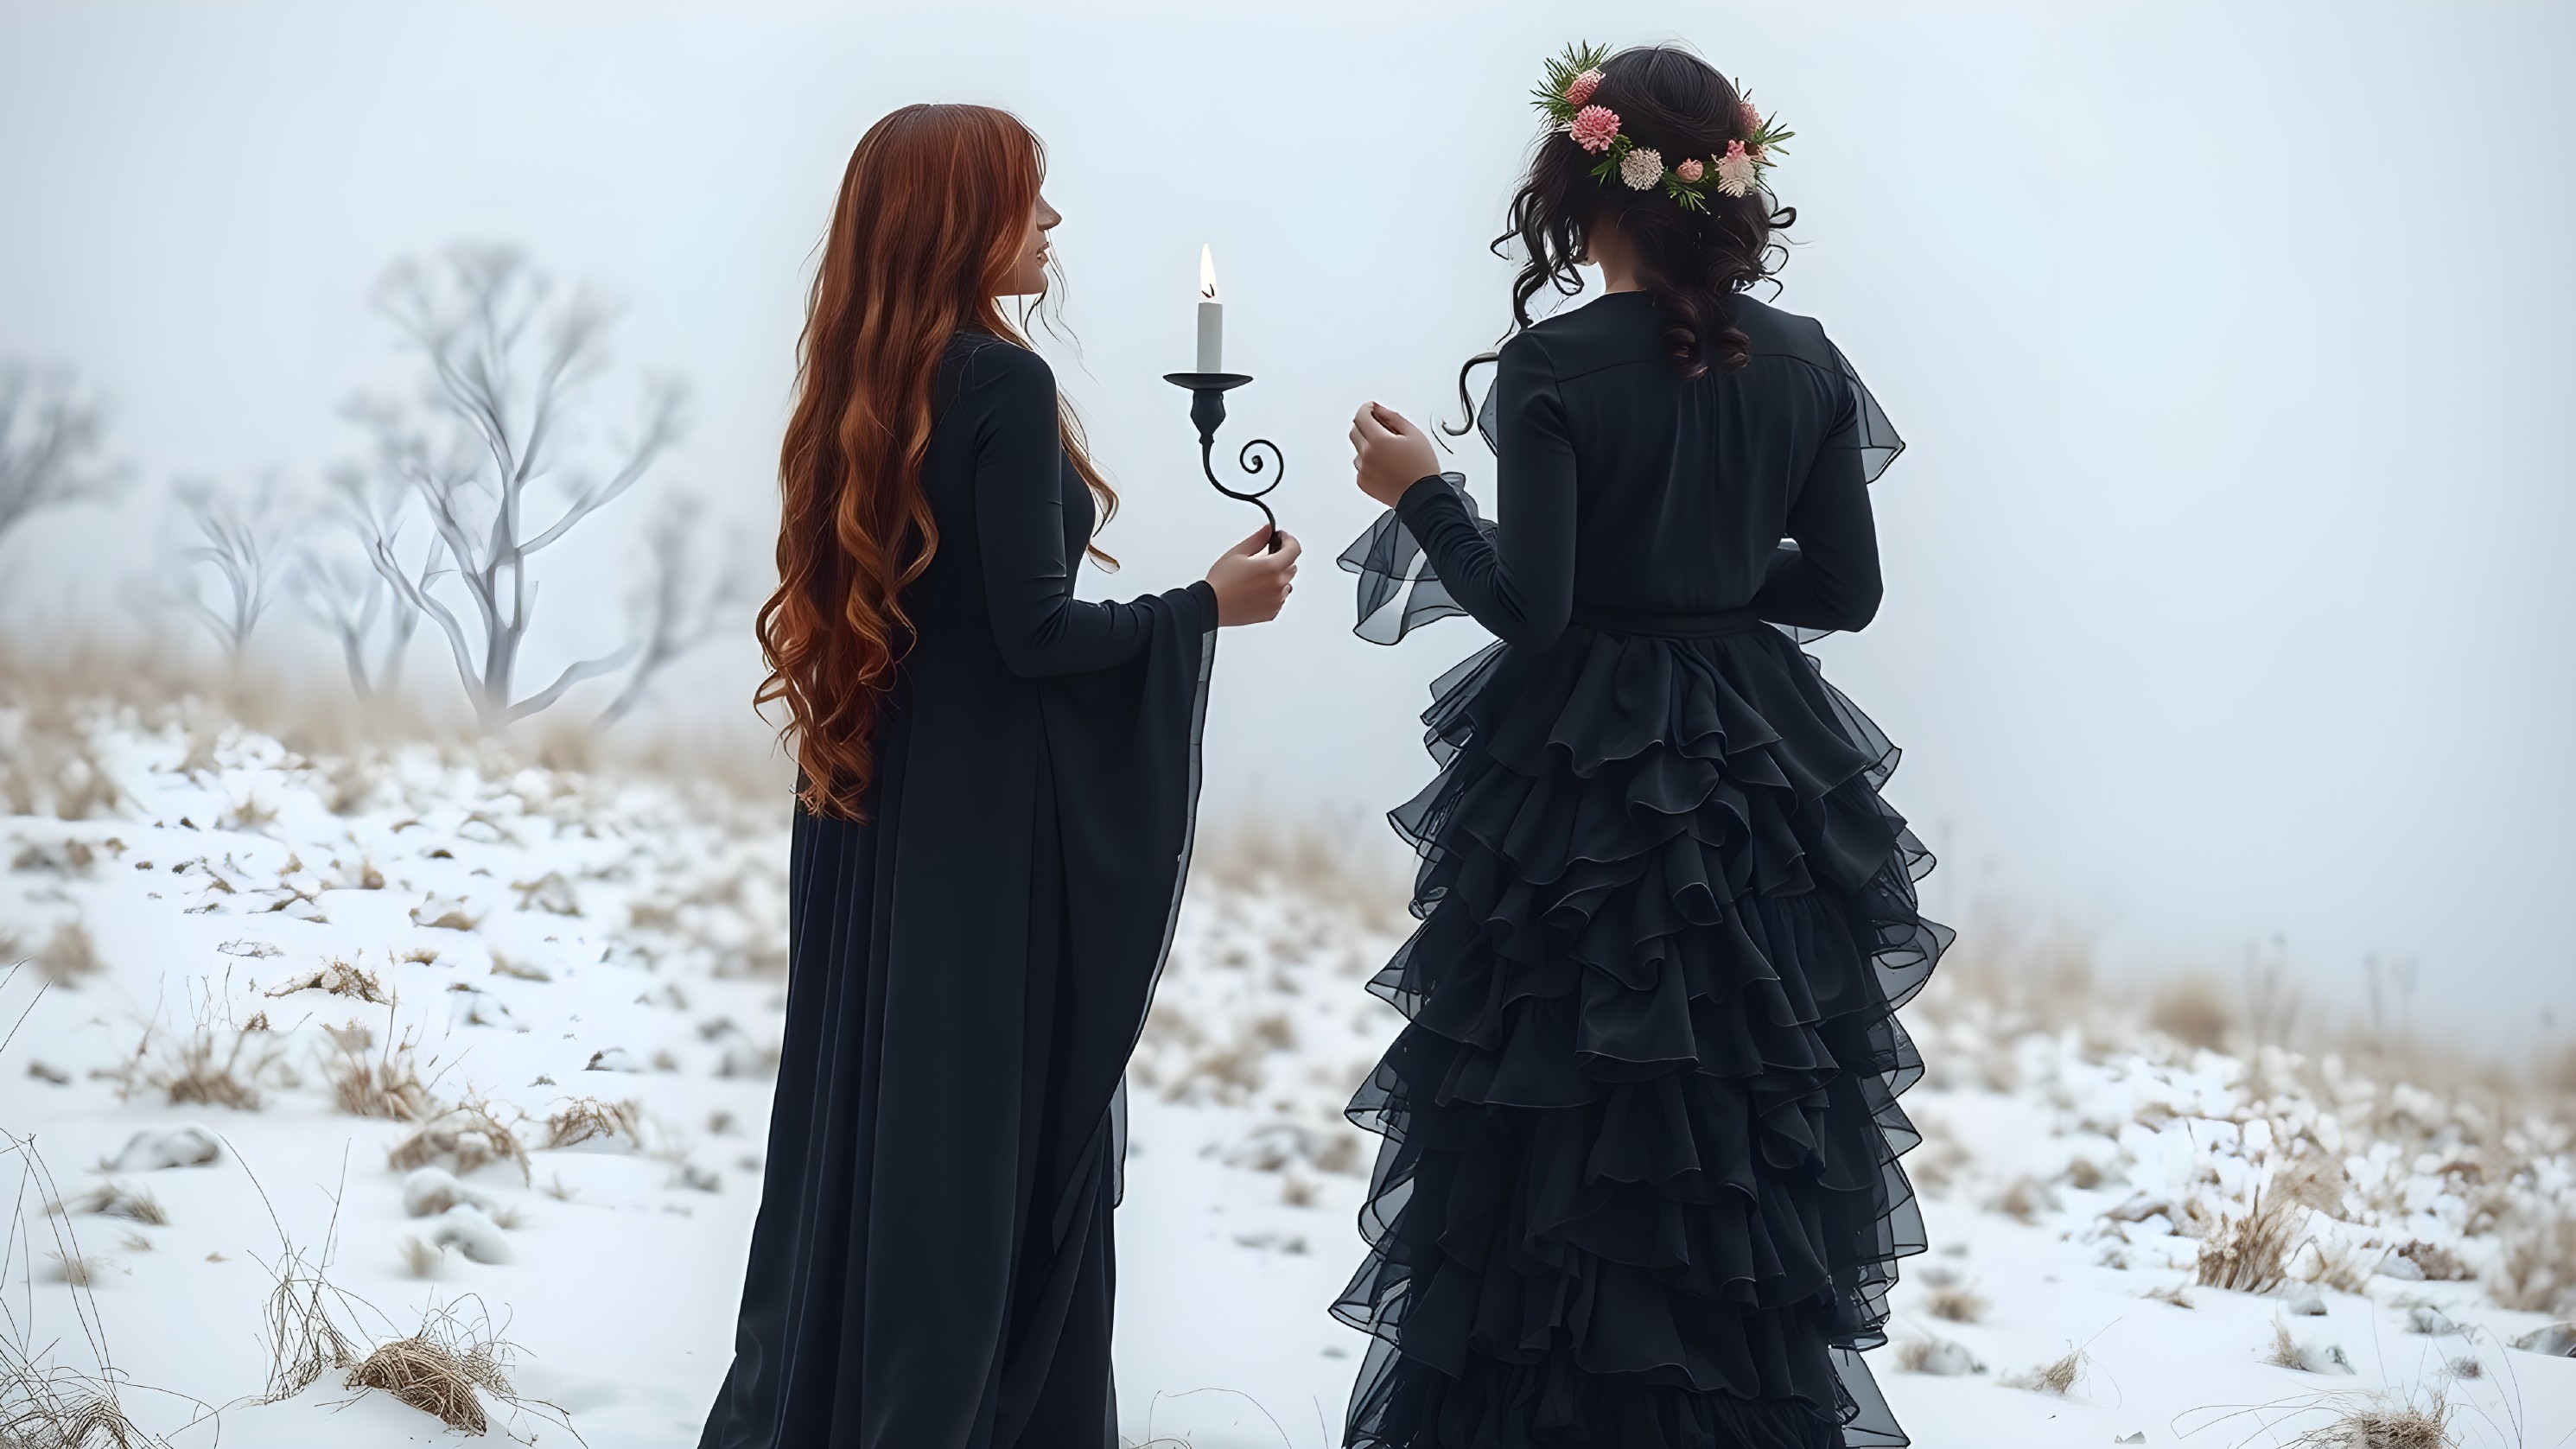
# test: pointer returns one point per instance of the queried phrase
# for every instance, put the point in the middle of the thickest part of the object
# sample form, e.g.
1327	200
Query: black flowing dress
1639	1184
968	969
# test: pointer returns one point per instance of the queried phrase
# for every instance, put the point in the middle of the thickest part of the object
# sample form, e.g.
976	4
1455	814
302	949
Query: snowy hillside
473	1057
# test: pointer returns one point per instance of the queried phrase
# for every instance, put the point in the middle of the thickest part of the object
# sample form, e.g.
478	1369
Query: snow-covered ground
236	944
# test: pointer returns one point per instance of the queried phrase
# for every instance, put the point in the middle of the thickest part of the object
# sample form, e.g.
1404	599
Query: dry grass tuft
1956	1302
2313	1179
442	1371
2057	1377
65	858
386	1086
446	1369
1341	861
213	1064
2192	1010
304	1341
587	1119
2024	1200
2383	1421
443	915
1940	1356
1938	1162
47	764
2537	1271
115	1200
421	1259
2172	1293
2344	1267
75	1271
462	1138
68	955
2251	1253
2285	1351
517	970
340	978
2438	1264
48	1407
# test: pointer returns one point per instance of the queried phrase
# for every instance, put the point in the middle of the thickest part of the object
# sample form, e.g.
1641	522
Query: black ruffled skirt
1639	1185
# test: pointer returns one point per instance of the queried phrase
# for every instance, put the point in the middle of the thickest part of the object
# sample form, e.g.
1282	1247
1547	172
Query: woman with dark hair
1639	1185
994	804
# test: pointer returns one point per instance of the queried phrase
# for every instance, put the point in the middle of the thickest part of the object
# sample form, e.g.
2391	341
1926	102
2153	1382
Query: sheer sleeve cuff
1397	587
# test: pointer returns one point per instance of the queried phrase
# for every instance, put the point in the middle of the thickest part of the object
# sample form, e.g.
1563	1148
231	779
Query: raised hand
1390	453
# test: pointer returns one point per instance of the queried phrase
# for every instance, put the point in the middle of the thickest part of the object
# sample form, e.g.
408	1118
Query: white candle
1211	317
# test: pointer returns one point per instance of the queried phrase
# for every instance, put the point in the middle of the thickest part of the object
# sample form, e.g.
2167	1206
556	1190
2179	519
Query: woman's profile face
1028	276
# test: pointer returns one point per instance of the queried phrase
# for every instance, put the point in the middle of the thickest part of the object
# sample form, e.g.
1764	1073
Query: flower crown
1575	75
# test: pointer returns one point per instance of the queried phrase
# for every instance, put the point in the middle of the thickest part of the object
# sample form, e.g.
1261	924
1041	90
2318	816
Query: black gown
968	969
1639	1184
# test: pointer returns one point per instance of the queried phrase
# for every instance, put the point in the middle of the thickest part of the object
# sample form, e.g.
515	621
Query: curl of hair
1691	262
933	211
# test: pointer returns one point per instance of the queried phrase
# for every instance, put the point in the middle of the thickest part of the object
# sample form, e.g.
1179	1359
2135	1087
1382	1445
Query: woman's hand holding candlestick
1252	581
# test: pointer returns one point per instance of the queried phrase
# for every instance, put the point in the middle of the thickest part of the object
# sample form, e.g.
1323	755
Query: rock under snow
433	1190
184	1146
468	1230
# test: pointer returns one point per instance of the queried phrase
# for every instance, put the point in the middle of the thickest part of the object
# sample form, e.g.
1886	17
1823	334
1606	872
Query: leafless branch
682	599
248	554
507	366
50	446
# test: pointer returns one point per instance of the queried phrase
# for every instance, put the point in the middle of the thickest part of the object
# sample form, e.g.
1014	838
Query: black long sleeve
1040	627
1831	579
1523	588
1629	492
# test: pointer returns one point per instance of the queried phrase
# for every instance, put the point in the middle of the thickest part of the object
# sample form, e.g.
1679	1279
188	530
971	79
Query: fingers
1392	421
1253	542
1289	548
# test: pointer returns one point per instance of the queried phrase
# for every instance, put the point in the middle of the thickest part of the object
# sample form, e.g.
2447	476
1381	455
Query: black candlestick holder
1207	410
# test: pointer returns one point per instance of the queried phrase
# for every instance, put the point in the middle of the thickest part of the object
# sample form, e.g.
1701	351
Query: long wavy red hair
933	214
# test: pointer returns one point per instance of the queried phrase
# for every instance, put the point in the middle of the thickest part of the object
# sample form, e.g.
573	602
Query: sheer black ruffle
1640	1186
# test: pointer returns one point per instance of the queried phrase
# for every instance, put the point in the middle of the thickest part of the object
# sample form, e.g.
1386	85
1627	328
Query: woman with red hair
995	795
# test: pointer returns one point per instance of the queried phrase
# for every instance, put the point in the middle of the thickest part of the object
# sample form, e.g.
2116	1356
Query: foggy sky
2225	597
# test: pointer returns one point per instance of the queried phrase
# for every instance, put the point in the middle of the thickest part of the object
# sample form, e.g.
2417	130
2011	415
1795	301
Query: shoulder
997	371
1607	332
1779	334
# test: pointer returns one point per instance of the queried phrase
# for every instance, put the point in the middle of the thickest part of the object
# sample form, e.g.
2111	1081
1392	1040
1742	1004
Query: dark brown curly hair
1691	262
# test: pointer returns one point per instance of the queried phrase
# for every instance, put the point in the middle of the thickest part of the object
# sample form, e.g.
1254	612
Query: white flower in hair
1735	171
1642	168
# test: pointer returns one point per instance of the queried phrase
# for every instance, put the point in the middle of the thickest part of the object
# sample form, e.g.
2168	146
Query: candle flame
1207	273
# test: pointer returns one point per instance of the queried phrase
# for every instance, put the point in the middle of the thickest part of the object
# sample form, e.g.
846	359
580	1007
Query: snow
590	964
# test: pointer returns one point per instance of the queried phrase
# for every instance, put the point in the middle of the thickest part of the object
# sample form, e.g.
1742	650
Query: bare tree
506	366
682	599
350	599
50	444
248	556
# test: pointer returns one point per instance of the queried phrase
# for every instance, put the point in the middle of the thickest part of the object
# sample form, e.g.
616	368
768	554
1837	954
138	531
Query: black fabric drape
969	967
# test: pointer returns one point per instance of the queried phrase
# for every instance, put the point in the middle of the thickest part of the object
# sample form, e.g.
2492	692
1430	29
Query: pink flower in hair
1735	170
1690	170
1580	89
1594	128
1752	117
